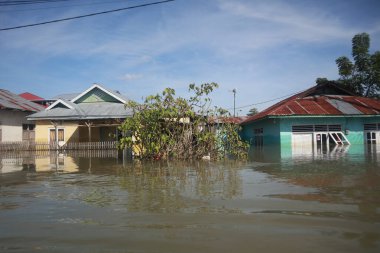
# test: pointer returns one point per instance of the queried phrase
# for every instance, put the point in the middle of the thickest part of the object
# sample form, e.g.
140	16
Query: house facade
91	116
321	117
14	109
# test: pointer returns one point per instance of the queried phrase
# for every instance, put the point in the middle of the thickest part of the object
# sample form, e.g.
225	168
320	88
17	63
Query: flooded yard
98	202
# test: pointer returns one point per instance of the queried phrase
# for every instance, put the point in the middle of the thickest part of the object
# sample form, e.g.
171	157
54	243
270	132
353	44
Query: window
61	135
371	131
371	137
28	132
29	127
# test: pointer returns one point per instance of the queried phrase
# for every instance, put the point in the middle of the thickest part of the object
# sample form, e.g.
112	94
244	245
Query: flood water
96	202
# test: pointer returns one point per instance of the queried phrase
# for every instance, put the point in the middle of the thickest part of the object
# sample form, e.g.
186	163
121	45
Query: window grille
335	128
302	128
316	128
320	128
373	126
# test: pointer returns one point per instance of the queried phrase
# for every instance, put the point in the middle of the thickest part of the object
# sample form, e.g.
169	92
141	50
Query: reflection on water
96	201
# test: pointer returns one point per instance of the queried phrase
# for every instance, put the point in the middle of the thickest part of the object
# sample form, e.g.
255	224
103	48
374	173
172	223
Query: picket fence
40	146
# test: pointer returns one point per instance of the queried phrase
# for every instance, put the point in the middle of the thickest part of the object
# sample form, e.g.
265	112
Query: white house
13	123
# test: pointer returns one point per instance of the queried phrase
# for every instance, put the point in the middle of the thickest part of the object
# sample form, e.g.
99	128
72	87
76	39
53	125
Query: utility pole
234	91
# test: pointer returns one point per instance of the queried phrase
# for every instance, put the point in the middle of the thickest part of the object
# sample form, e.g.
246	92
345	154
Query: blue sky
263	49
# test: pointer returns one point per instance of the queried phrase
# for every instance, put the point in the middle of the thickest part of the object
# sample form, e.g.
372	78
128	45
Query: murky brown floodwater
74	203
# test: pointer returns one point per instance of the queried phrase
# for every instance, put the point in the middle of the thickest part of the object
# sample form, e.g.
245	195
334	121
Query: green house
320	118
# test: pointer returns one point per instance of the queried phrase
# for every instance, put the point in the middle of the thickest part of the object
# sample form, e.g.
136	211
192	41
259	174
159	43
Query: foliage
165	126
363	75
252	111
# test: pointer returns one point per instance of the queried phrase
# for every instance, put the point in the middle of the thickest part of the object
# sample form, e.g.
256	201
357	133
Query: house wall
70	128
271	131
354	125
279	131
84	137
73	132
11	124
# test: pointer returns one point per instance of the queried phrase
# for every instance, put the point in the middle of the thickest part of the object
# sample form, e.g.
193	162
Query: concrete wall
73	132
354	125
70	128
11	124
278	131
271	131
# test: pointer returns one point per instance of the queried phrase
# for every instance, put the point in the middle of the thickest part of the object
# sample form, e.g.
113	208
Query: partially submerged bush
165	126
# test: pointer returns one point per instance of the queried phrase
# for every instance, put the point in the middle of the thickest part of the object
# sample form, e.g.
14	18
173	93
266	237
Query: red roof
325	99
9	100
31	97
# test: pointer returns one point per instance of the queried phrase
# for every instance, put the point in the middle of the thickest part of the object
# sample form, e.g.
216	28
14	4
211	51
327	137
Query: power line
11	3
84	16
264	102
67	6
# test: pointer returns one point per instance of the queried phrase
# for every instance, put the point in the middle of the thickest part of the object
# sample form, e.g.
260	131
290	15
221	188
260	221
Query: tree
363	75
166	126
252	111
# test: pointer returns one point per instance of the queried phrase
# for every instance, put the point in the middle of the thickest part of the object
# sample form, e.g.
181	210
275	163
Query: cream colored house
91	116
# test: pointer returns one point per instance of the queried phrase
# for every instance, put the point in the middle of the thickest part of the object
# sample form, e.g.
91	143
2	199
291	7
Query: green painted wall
278	131
353	125
271	129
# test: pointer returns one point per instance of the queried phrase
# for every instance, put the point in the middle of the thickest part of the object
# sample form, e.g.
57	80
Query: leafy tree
252	111
363	75
166	126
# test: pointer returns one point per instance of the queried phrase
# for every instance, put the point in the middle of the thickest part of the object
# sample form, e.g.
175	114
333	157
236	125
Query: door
302	144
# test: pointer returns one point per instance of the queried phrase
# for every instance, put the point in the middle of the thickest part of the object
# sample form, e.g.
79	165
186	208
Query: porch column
89	124
55	124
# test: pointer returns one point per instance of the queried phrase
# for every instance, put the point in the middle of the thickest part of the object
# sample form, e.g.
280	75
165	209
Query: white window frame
371	140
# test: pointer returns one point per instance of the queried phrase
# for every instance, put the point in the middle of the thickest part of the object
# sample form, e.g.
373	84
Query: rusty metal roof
321	100
9	100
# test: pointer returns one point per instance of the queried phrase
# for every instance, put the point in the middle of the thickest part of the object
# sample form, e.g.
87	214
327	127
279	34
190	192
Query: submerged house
91	116
320	117
14	126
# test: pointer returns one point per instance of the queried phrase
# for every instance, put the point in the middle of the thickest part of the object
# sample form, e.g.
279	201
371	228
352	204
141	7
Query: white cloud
290	21
131	77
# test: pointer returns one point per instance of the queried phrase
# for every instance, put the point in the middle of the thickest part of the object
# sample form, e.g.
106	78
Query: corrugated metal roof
66	107
308	103
67	96
99	110
30	96
9	100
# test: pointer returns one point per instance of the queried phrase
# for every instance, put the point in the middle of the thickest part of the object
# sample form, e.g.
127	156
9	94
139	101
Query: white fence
38	146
